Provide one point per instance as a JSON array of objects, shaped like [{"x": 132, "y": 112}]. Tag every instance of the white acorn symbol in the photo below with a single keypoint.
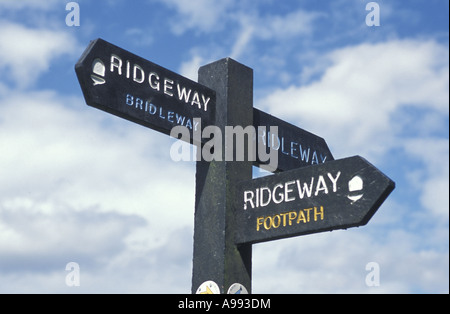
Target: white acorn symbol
[
  {"x": 354, "y": 185},
  {"x": 98, "y": 68}
]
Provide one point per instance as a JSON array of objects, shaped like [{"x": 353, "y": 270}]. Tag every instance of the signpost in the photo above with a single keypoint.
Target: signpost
[
  {"x": 335, "y": 195},
  {"x": 315, "y": 193}
]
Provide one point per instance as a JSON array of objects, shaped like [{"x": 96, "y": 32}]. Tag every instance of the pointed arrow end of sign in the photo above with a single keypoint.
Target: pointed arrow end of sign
[{"x": 376, "y": 188}]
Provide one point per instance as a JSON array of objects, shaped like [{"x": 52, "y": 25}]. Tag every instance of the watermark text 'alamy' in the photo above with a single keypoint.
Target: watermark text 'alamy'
[{"x": 236, "y": 147}]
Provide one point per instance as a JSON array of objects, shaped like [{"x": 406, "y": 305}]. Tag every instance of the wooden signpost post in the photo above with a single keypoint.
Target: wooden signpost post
[{"x": 315, "y": 193}]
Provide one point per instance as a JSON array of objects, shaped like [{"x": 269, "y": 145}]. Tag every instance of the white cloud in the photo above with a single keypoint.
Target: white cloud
[
  {"x": 163, "y": 269},
  {"x": 336, "y": 263},
  {"x": 139, "y": 36},
  {"x": 200, "y": 15},
  {"x": 294, "y": 24},
  {"x": 80, "y": 185},
  {"x": 357, "y": 96},
  {"x": 34, "y": 240},
  {"x": 244, "y": 38},
  {"x": 190, "y": 68},
  {"x": 26, "y": 53},
  {"x": 71, "y": 155},
  {"x": 433, "y": 178},
  {"x": 206, "y": 16}
]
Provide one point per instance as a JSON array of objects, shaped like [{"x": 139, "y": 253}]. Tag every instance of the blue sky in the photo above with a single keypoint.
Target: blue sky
[{"x": 80, "y": 185}]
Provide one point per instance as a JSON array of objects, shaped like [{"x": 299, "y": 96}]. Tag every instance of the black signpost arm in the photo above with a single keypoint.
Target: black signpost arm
[{"x": 216, "y": 256}]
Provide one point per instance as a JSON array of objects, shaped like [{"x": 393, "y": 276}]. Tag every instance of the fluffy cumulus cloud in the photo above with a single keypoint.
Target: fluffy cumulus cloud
[
  {"x": 73, "y": 190},
  {"x": 75, "y": 187},
  {"x": 25, "y": 53},
  {"x": 433, "y": 179},
  {"x": 357, "y": 98},
  {"x": 342, "y": 262}
]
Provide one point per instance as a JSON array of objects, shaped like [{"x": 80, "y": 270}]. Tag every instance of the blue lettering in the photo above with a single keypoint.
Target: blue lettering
[
  {"x": 180, "y": 119},
  {"x": 160, "y": 113},
  {"x": 304, "y": 154},
  {"x": 282, "y": 147},
  {"x": 314, "y": 158},
  {"x": 170, "y": 116},
  {"x": 293, "y": 149},
  {"x": 129, "y": 100},
  {"x": 152, "y": 109},
  {"x": 139, "y": 103},
  {"x": 196, "y": 122}
]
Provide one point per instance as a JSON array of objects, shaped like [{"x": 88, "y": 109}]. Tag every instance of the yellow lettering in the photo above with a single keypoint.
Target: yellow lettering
[
  {"x": 292, "y": 216},
  {"x": 259, "y": 222},
  {"x": 276, "y": 225},
  {"x": 280, "y": 220},
  {"x": 316, "y": 213},
  {"x": 301, "y": 217},
  {"x": 270, "y": 223},
  {"x": 307, "y": 214},
  {"x": 284, "y": 218}
]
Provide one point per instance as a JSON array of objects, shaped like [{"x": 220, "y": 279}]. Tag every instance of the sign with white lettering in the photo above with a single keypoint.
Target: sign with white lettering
[
  {"x": 335, "y": 195},
  {"x": 128, "y": 86},
  {"x": 296, "y": 147}
]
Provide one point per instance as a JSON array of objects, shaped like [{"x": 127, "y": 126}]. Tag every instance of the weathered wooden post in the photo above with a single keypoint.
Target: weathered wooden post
[{"x": 216, "y": 256}]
